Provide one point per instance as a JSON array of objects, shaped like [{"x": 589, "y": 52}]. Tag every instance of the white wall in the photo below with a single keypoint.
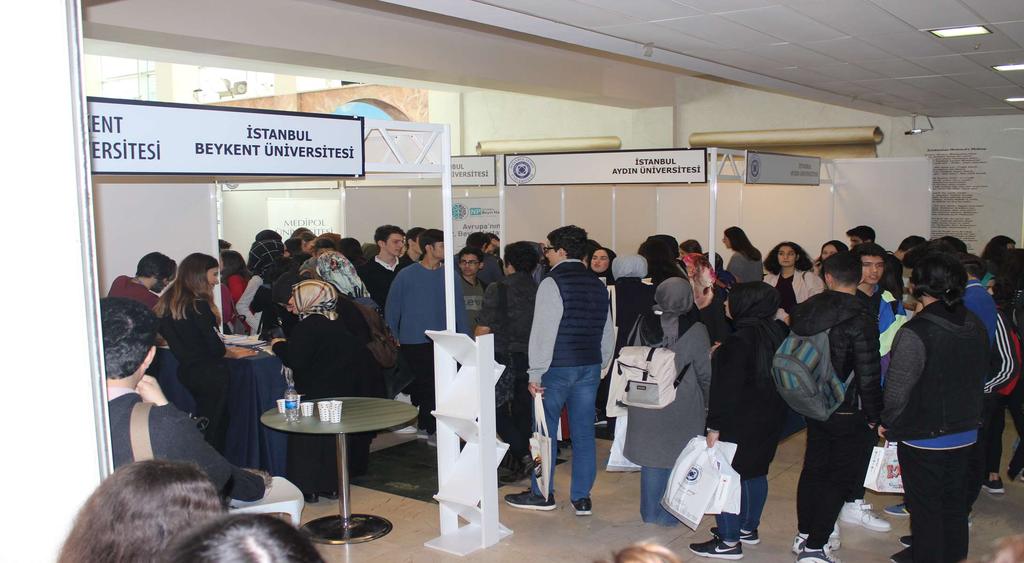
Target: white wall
[
  {"x": 51, "y": 462},
  {"x": 133, "y": 220}
]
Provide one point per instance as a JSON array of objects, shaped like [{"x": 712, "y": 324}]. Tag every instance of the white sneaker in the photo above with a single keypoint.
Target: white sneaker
[
  {"x": 823, "y": 555},
  {"x": 859, "y": 513},
  {"x": 834, "y": 543},
  {"x": 798, "y": 543},
  {"x": 407, "y": 430}
]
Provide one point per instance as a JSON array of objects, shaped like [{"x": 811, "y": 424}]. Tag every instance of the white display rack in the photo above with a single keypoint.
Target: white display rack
[{"x": 468, "y": 450}]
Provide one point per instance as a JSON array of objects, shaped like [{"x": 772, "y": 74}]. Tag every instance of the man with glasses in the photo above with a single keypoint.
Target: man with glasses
[
  {"x": 470, "y": 260},
  {"x": 570, "y": 340}
]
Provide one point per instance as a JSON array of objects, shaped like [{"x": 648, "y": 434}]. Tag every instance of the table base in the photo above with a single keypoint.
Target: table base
[{"x": 361, "y": 528}]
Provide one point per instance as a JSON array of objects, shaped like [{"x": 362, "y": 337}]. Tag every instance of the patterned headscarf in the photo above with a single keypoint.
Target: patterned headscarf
[
  {"x": 314, "y": 297},
  {"x": 334, "y": 268},
  {"x": 702, "y": 278}
]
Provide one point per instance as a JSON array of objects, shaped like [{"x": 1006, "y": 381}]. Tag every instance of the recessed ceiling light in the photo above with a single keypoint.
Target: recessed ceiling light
[
  {"x": 1007, "y": 68},
  {"x": 1015, "y": 100},
  {"x": 965, "y": 31}
]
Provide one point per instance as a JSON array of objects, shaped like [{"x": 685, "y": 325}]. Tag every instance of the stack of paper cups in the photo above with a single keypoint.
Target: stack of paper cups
[
  {"x": 307, "y": 408},
  {"x": 335, "y": 412},
  {"x": 280, "y": 406}
]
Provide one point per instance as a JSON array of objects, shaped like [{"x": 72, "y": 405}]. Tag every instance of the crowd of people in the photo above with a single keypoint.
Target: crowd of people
[{"x": 927, "y": 338}]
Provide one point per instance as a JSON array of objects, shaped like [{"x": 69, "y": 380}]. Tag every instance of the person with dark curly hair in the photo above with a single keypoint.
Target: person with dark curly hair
[{"x": 790, "y": 272}]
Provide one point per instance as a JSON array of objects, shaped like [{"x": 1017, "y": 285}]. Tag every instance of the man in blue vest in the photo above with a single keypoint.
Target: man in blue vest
[{"x": 570, "y": 340}]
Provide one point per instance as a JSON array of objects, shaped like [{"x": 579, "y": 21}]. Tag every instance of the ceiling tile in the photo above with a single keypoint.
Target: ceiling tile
[
  {"x": 907, "y": 45},
  {"x": 1008, "y": 91},
  {"x": 801, "y": 76},
  {"x": 788, "y": 54},
  {"x": 720, "y": 31},
  {"x": 997, "y": 57},
  {"x": 661, "y": 36},
  {"x": 948, "y": 64},
  {"x": 646, "y": 10},
  {"x": 929, "y": 14},
  {"x": 845, "y": 71},
  {"x": 845, "y": 88},
  {"x": 983, "y": 78},
  {"x": 855, "y": 17},
  {"x": 848, "y": 49},
  {"x": 720, "y": 6},
  {"x": 998, "y": 10},
  {"x": 1013, "y": 30},
  {"x": 564, "y": 11},
  {"x": 784, "y": 23},
  {"x": 740, "y": 59},
  {"x": 895, "y": 68}
]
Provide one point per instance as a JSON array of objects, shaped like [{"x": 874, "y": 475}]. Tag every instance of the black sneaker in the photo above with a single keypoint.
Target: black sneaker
[
  {"x": 906, "y": 541},
  {"x": 905, "y": 556},
  {"x": 529, "y": 501},
  {"x": 715, "y": 548},
  {"x": 583, "y": 507},
  {"x": 749, "y": 538},
  {"x": 993, "y": 486}
]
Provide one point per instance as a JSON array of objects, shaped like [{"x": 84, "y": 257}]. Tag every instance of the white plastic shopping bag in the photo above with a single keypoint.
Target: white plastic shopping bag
[
  {"x": 617, "y": 461},
  {"x": 692, "y": 483},
  {"x": 729, "y": 492},
  {"x": 883, "y": 473},
  {"x": 540, "y": 446}
]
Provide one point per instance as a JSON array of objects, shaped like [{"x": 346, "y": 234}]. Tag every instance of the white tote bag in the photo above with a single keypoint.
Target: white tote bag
[
  {"x": 692, "y": 484},
  {"x": 540, "y": 447},
  {"x": 883, "y": 473},
  {"x": 617, "y": 461}
]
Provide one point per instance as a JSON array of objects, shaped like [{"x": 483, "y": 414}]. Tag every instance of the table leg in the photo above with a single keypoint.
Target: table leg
[{"x": 346, "y": 527}]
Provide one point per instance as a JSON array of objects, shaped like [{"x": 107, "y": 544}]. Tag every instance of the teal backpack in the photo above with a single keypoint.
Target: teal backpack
[{"x": 804, "y": 376}]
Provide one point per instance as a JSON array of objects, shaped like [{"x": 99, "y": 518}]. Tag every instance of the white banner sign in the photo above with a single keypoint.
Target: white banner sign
[
  {"x": 660, "y": 166},
  {"x": 473, "y": 170},
  {"x": 473, "y": 214},
  {"x": 769, "y": 168},
  {"x": 132, "y": 137},
  {"x": 318, "y": 215}
]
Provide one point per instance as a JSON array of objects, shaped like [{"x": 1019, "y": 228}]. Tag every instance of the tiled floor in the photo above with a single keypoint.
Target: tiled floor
[{"x": 561, "y": 536}]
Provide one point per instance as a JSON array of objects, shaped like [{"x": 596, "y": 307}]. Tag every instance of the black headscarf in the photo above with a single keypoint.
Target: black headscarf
[
  {"x": 607, "y": 276},
  {"x": 264, "y": 252},
  {"x": 754, "y": 304}
]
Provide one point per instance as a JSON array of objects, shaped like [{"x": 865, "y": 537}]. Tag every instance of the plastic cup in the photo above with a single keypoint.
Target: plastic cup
[
  {"x": 280, "y": 406},
  {"x": 335, "y": 412},
  {"x": 307, "y": 408}
]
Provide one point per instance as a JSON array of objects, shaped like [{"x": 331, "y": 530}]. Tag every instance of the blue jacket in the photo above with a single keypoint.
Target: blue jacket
[{"x": 416, "y": 304}]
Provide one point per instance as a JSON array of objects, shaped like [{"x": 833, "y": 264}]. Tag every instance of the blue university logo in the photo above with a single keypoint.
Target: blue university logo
[
  {"x": 693, "y": 475},
  {"x": 521, "y": 169},
  {"x": 458, "y": 211}
]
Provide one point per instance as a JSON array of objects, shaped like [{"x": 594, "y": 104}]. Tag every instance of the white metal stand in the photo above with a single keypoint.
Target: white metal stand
[{"x": 466, "y": 474}]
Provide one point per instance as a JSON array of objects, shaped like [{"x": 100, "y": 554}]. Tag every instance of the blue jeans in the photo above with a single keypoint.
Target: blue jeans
[
  {"x": 575, "y": 387},
  {"x": 653, "y": 482},
  {"x": 754, "y": 493}
]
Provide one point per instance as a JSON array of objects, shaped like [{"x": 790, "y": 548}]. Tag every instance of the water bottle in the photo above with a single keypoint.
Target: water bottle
[{"x": 291, "y": 405}]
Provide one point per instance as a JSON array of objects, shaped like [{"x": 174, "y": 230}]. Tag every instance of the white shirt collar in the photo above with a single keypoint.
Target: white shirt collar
[{"x": 385, "y": 264}]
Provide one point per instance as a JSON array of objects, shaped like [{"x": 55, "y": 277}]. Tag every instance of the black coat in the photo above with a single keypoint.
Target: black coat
[
  {"x": 746, "y": 412},
  {"x": 321, "y": 354},
  {"x": 378, "y": 280},
  {"x": 632, "y": 298},
  {"x": 853, "y": 343}
]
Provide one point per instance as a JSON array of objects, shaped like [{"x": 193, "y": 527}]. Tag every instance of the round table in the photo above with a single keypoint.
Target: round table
[{"x": 358, "y": 414}]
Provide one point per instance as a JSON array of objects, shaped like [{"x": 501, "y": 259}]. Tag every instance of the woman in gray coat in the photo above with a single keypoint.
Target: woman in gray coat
[{"x": 656, "y": 437}]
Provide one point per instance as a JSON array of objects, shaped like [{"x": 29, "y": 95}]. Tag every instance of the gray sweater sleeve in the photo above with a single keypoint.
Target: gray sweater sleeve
[
  {"x": 547, "y": 315},
  {"x": 607, "y": 342},
  {"x": 905, "y": 367}
]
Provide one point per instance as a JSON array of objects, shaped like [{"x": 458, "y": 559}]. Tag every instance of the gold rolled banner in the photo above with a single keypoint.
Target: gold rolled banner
[
  {"x": 565, "y": 144},
  {"x": 827, "y": 142}
]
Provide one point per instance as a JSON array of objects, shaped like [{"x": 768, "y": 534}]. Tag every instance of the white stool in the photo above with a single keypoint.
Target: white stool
[{"x": 283, "y": 497}]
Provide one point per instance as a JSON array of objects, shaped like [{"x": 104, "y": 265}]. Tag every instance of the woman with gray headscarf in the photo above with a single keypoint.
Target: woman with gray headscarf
[{"x": 656, "y": 437}]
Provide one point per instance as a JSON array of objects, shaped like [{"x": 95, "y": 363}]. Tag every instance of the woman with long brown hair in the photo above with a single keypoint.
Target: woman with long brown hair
[
  {"x": 188, "y": 321},
  {"x": 133, "y": 515}
]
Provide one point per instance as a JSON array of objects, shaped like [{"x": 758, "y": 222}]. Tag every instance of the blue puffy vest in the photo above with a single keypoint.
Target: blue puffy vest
[{"x": 584, "y": 312}]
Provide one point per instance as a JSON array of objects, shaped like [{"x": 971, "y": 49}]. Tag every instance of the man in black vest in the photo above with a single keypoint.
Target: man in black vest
[{"x": 570, "y": 340}]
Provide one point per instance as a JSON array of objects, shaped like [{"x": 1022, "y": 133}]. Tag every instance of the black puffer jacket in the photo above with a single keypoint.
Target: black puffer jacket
[{"x": 853, "y": 344}]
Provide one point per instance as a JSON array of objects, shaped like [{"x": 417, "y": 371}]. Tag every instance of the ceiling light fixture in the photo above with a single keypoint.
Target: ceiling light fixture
[
  {"x": 1015, "y": 100},
  {"x": 1008, "y": 68},
  {"x": 965, "y": 31},
  {"x": 915, "y": 130}
]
